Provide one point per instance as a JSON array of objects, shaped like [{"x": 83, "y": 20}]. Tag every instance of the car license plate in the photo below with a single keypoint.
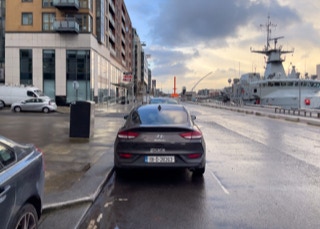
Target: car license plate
[{"x": 159, "y": 159}]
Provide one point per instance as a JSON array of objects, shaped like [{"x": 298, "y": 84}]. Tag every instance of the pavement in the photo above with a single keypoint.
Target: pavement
[{"x": 76, "y": 169}]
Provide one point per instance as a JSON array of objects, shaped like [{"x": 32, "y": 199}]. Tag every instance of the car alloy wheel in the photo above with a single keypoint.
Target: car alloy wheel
[
  {"x": 17, "y": 109},
  {"x": 27, "y": 218},
  {"x": 45, "y": 110}
]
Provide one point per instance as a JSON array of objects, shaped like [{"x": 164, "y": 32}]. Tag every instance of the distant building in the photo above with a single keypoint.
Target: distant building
[
  {"x": 318, "y": 71},
  {"x": 140, "y": 68},
  {"x": 57, "y": 45}
]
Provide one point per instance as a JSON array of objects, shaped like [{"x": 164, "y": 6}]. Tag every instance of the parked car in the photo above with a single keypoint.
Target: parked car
[
  {"x": 158, "y": 100},
  {"x": 21, "y": 184},
  {"x": 160, "y": 135},
  {"x": 10, "y": 94},
  {"x": 35, "y": 104}
]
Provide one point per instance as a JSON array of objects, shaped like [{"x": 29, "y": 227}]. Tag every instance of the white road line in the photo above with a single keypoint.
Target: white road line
[{"x": 220, "y": 184}]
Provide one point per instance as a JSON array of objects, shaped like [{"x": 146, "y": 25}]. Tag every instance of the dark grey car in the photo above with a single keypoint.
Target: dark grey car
[
  {"x": 21, "y": 184},
  {"x": 162, "y": 136}
]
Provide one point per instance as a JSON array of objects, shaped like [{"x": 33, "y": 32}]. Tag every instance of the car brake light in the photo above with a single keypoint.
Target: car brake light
[
  {"x": 192, "y": 135},
  {"x": 125, "y": 155},
  {"x": 307, "y": 102},
  {"x": 194, "y": 155},
  {"x": 127, "y": 134}
]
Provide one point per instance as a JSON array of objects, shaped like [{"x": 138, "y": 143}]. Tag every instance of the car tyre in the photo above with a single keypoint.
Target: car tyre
[
  {"x": 199, "y": 171},
  {"x": 120, "y": 171},
  {"x": 1, "y": 104},
  {"x": 17, "y": 109},
  {"x": 45, "y": 110},
  {"x": 27, "y": 218}
]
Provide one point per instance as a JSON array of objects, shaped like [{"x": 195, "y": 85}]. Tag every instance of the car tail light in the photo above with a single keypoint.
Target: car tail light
[
  {"x": 125, "y": 155},
  {"x": 192, "y": 135},
  {"x": 194, "y": 155},
  {"x": 307, "y": 102},
  {"x": 127, "y": 134}
]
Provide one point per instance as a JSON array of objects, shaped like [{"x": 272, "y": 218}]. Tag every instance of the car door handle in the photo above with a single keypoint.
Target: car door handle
[{"x": 3, "y": 192}]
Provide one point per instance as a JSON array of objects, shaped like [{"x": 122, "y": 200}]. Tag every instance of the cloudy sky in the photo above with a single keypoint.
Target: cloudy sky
[{"x": 191, "y": 39}]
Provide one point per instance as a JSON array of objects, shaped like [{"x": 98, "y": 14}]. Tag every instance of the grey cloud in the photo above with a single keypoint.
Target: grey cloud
[
  {"x": 169, "y": 62},
  {"x": 188, "y": 22}
]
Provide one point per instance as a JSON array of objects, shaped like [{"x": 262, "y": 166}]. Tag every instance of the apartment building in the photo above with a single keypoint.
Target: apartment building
[{"x": 71, "y": 49}]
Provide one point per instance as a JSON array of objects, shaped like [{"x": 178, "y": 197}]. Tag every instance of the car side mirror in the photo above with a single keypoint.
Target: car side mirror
[
  {"x": 193, "y": 117},
  {"x": 125, "y": 117}
]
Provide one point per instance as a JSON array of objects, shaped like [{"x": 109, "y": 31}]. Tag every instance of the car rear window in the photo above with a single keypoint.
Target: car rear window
[{"x": 162, "y": 117}]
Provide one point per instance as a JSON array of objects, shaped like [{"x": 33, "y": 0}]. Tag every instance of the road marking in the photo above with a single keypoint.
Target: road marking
[
  {"x": 220, "y": 184},
  {"x": 99, "y": 217},
  {"x": 107, "y": 204}
]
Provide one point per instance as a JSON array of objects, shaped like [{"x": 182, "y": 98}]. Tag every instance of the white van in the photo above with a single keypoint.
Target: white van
[{"x": 11, "y": 94}]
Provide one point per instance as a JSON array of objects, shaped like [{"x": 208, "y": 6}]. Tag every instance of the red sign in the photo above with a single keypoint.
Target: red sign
[{"x": 127, "y": 77}]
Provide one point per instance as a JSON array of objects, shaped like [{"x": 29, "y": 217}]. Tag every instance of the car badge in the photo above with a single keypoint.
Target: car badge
[{"x": 159, "y": 138}]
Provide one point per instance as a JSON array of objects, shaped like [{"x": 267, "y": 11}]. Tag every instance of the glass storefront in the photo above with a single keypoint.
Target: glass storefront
[
  {"x": 78, "y": 75},
  {"x": 49, "y": 64},
  {"x": 26, "y": 66}
]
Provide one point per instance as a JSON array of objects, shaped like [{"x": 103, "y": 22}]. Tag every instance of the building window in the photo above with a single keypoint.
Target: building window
[
  {"x": 27, "y": 0},
  {"x": 26, "y": 66},
  {"x": 85, "y": 22},
  {"x": 26, "y": 18},
  {"x": 84, "y": 4},
  {"x": 78, "y": 65},
  {"x": 47, "y": 3},
  {"x": 48, "y": 21},
  {"x": 49, "y": 64},
  {"x": 78, "y": 69},
  {"x": 49, "y": 73}
]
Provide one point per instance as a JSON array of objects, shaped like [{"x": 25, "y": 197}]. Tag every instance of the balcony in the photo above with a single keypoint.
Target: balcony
[
  {"x": 113, "y": 51},
  {"x": 112, "y": 6},
  {"x": 111, "y": 35},
  {"x": 67, "y": 25},
  {"x": 66, "y": 4},
  {"x": 111, "y": 20}
]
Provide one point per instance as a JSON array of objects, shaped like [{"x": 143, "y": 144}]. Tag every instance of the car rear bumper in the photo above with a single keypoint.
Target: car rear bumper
[{"x": 139, "y": 161}]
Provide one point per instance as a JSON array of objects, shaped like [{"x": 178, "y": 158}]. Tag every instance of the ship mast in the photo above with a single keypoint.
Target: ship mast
[
  {"x": 268, "y": 26},
  {"x": 274, "y": 67}
]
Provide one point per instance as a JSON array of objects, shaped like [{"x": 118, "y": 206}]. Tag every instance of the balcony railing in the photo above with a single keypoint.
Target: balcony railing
[
  {"x": 111, "y": 19},
  {"x": 111, "y": 5},
  {"x": 66, "y": 4},
  {"x": 68, "y": 25},
  {"x": 113, "y": 51},
  {"x": 111, "y": 35}
]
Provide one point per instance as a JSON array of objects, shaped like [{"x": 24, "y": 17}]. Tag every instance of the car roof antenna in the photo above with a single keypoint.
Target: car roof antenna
[{"x": 159, "y": 108}]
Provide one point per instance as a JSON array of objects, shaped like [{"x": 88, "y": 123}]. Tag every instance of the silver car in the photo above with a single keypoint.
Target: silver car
[
  {"x": 21, "y": 184},
  {"x": 35, "y": 104}
]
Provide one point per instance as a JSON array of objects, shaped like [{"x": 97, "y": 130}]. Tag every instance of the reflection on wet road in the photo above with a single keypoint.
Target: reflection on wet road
[{"x": 261, "y": 173}]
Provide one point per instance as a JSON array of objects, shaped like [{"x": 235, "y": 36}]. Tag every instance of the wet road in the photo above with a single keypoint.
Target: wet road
[{"x": 261, "y": 173}]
